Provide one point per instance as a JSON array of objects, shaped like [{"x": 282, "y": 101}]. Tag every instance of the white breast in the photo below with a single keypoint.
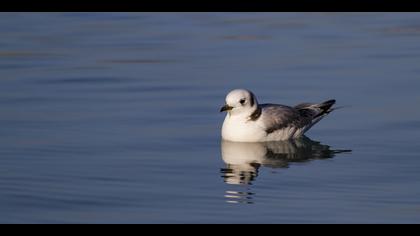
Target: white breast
[{"x": 241, "y": 129}]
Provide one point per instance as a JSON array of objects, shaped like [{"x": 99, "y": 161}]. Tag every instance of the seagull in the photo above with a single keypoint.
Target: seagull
[{"x": 248, "y": 121}]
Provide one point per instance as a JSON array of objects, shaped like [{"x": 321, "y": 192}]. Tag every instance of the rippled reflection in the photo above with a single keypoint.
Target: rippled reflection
[
  {"x": 239, "y": 197},
  {"x": 243, "y": 161}
]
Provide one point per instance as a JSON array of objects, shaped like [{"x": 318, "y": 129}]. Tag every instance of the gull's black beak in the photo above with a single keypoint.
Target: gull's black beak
[{"x": 226, "y": 108}]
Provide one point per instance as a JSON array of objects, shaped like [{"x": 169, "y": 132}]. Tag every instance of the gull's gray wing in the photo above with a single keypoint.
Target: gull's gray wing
[{"x": 275, "y": 117}]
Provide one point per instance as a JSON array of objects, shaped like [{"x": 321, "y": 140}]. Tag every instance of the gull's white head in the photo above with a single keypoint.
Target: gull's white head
[{"x": 240, "y": 101}]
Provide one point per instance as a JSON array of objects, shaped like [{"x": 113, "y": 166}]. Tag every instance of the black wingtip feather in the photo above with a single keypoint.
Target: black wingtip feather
[
  {"x": 326, "y": 107},
  {"x": 327, "y": 104}
]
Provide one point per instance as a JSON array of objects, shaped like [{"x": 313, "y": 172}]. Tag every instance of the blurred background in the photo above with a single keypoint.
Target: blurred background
[{"x": 114, "y": 117}]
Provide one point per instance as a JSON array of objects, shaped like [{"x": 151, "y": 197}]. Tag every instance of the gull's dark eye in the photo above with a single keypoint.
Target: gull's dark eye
[{"x": 242, "y": 101}]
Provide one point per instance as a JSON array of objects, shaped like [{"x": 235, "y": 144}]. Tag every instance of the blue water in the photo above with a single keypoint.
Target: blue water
[{"x": 114, "y": 117}]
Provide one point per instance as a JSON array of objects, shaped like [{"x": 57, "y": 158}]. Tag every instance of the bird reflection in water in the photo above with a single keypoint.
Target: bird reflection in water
[{"x": 243, "y": 161}]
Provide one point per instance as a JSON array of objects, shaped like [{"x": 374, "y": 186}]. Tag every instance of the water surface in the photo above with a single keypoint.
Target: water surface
[{"x": 113, "y": 117}]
